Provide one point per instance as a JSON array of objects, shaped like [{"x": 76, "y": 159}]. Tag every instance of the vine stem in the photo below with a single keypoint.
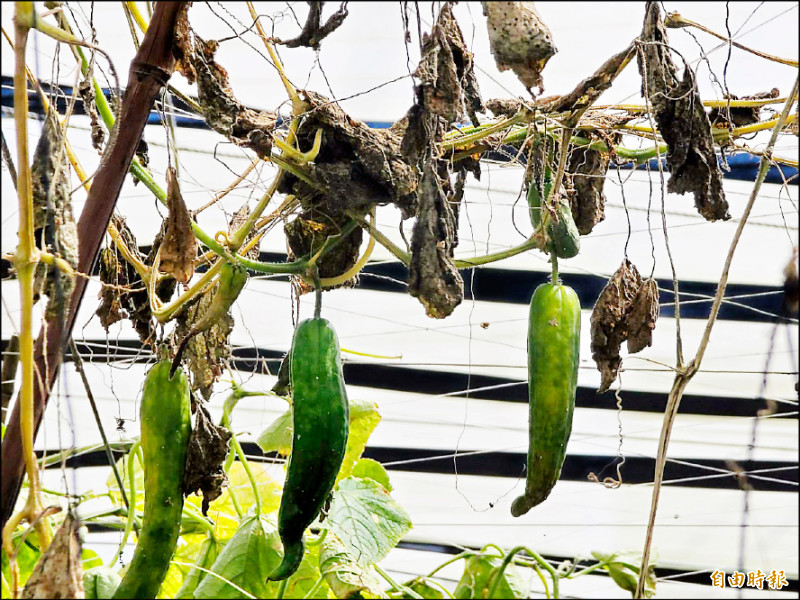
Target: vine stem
[
  {"x": 683, "y": 376},
  {"x": 25, "y": 261},
  {"x": 398, "y": 586}
]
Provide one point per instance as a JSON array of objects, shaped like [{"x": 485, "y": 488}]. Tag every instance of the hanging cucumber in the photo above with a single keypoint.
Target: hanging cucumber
[
  {"x": 564, "y": 236},
  {"x": 166, "y": 424},
  {"x": 320, "y": 414},
  {"x": 553, "y": 343},
  {"x": 232, "y": 278}
]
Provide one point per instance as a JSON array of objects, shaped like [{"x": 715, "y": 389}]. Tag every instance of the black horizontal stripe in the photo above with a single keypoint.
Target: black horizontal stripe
[
  {"x": 422, "y": 381},
  {"x": 577, "y": 467}
]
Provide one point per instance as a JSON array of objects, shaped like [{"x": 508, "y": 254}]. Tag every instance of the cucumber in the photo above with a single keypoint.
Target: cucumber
[
  {"x": 566, "y": 240},
  {"x": 166, "y": 424},
  {"x": 564, "y": 235},
  {"x": 553, "y": 346},
  {"x": 320, "y": 414}
]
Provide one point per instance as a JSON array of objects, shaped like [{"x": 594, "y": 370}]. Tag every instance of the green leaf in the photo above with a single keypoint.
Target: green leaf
[
  {"x": 278, "y": 436},
  {"x": 421, "y": 586},
  {"x": 345, "y": 577},
  {"x": 90, "y": 559},
  {"x": 100, "y": 582},
  {"x": 372, "y": 469},
  {"x": 366, "y": 519},
  {"x": 245, "y": 561},
  {"x": 364, "y": 417},
  {"x": 624, "y": 569},
  {"x": 193, "y": 550},
  {"x": 248, "y": 558},
  {"x": 479, "y": 574},
  {"x": 27, "y": 557}
]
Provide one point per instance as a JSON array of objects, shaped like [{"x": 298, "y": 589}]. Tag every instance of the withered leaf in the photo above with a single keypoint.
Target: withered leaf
[
  {"x": 432, "y": 274},
  {"x": 179, "y": 246},
  {"x": 588, "y": 169},
  {"x": 360, "y": 167},
  {"x": 306, "y": 234},
  {"x": 55, "y": 230},
  {"x": 610, "y": 321},
  {"x": 206, "y": 351},
  {"x": 681, "y": 120},
  {"x": 59, "y": 571},
  {"x": 182, "y": 44},
  {"x": 223, "y": 112},
  {"x": 313, "y": 31},
  {"x": 208, "y": 448},
  {"x": 519, "y": 40},
  {"x": 445, "y": 72},
  {"x": 739, "y": 116},
  {"x": 643, "y": 316}
]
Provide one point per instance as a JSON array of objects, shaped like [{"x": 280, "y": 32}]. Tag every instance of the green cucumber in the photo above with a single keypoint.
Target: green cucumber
[
  {"x": 320, "y": 415},
  {"x": 565, "y": 239},
  {"x": 165, "y": 414},
  {"x": 232, "y": 277},
  {"x": 553, "y": 346}
]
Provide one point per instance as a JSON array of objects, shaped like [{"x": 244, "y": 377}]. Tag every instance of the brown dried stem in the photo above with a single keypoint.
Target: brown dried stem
[{"x": 683, "y": 376}]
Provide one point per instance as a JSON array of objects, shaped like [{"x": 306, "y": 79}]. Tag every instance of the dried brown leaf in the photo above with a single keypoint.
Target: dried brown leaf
[
  {"x": 313, "y": 32},
  {"x": 445, "y": 72},
  {"x": 681, "y": 120},
  {"x": 432, "y": 274},
  {"x": 519, "y": 40},
  {"x": 643, "y": 316},
  {"x": 609, "y": 321},
  {"x": 222, "y": 111},
  {"x": 359, "y": 166},
  {"x": 588, "y": 169},
  {"x": 207, "y": 351},
  {"x": 208, "y": 448},
  {"x": 55, "y": 230},
  {"x": 179, "y": 246},
  {"x": 182, "y": 44},
  {"x": 59, "y": 571}
]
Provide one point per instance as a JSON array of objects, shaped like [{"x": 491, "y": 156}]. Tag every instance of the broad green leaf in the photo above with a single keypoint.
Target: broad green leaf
[
  {"x": 479, "y": 574},
  {"x": 624, "y": 569},
  {"x": 192, "y": 576},
  {"x": 364, "y": 417},
  {"x": 366, "y": 519},
  {"x": 278, "y": 436},
  {"x": 90, "y": 559},
  {"x": 343, "y": 574},
  {"x": 222, "y": 511},
  {"x": 372, "y": 469},
  {"x": 100, "y": 582},
  {"x": 246, "y": 560},
  {"x": 188, "y": 553},
  {"x": 27, "y": 557},
  {"x": 421, "y": 586}
]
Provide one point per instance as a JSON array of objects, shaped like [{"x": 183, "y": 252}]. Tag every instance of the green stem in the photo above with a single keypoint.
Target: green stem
[
  {"x": 315, "y": 587},
  {"x": 497, "y": 575},
  {"x": 456, "y": 558},
  {"x": 134, "y": 451},
  {"x": 587, "y": 570},
  {"x": 396, "y": 585},
  {"x": 234, "y": 500},
  {"x": 226, "y": 422},
  {"x": 554, "y": 262},
  {"x": 282, "y": 588}
]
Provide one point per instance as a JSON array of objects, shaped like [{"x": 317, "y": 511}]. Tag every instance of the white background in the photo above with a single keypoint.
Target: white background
[{"x": 697, "y": 528}]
